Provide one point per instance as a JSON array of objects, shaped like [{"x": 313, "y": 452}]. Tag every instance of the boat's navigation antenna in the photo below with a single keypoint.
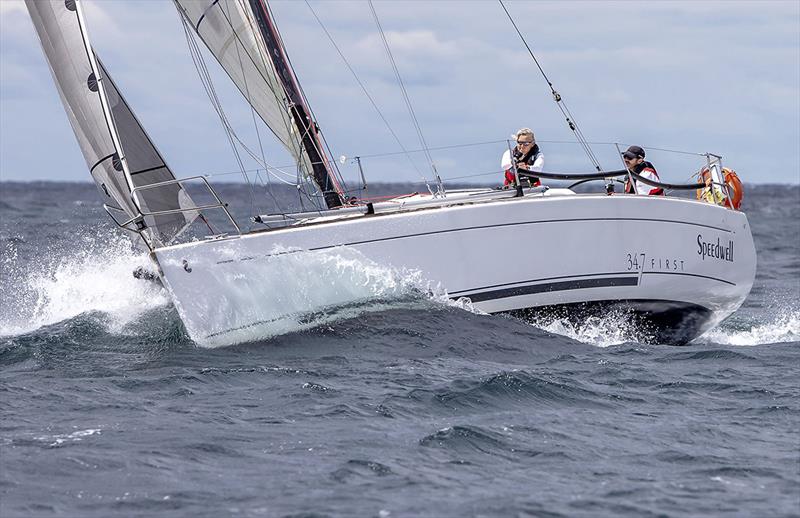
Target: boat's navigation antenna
[{"x": 573, "y": 125}]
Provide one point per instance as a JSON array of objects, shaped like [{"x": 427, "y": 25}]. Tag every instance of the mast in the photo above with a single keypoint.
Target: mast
[{"x": 301, "y": 115}]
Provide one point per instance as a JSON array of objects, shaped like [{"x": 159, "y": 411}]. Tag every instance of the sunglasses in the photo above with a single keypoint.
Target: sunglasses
[
  {"x": 628, "y": 158},
  {"x": 524, "y": 142}
]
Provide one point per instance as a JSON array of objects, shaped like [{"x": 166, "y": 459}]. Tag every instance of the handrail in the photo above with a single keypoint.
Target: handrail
[
  {"x": 219, "y": 205},
  {"x": 581, "y": 182},
  {"x": 571, "y": 176},
  {"x": 124, "y": 226},
  {"x": 179, "y": 211},
  {"x": 168, "y": 182},
  {"x": 610, "y": 174}
]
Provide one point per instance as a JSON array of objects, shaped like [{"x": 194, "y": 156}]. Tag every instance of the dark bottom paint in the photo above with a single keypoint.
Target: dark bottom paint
[{"x": 658, "y": 321}]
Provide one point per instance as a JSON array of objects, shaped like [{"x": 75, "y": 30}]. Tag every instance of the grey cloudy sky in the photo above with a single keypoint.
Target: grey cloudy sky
[{"x": 722, "y": 77}]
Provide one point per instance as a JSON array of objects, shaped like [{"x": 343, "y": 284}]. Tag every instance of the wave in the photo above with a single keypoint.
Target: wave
[
  {"x": 469, "y": 440},
  {"x": 614, "y": 328},
  {"x": 784, "y": 327},
  {"x": 515, "y": 388},
  {"x": 296, "y": 290},
  {"x": 357, "y": 469},
  {"x": 93, "y": 275},
  {"x": 617, "y": 328}
]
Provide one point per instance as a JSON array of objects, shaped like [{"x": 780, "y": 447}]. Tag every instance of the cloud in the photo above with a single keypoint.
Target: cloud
[
  {"x": 9, "y": 7},
  {"x": 722, "y": 76},
  {"x": 413, "y": 44}
]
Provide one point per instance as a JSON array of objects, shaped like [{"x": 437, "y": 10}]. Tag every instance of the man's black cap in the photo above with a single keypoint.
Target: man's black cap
[{"x": 634, "y": 152}]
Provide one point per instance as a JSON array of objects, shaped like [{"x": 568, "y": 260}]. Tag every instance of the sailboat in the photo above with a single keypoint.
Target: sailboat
[{"x": 676, "y": 266}]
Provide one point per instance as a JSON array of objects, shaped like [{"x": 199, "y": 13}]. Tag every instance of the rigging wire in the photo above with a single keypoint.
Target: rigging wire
[
  {"x": 205, "y": 80},
  {"x": 301, "y": 181},
  {"x": 407, "y": 100},
  {"x": 233, "y": 137},
  {"x": 277, "y": 93},
  {"x": 268, "y": 186},
  {"x": 253, "y": 114},
  {"x": 239, "y": 40},
  {"x": 337, "y": 179},
  {"x": 366, "y": 92},
  {"x": 573, "y": 125}
]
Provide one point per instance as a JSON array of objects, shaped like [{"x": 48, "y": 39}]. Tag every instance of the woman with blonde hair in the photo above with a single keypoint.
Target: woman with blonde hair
[{"x": 526, "y": 155}]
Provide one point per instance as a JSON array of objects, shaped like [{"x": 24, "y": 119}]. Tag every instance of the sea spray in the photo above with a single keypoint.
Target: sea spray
[
  {"x": 93, "y": 273},
  {"x": 610, "y": 329},
  {"x": 288, "y": 290},
  {"x": 784, "y": 327}
]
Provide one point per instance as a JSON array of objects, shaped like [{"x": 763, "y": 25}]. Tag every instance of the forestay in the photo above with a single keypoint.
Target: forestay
[{"x": 105, "y": 125}]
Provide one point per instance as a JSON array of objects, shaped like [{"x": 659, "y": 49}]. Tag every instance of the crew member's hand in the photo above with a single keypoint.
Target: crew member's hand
[{"x": 522, "y": 166}]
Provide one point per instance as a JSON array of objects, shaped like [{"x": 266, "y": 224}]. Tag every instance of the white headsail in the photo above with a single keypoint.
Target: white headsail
[
  {"x": 105, "y": 125},
  {"x": 241, "y": 36},
  {"x": 147, "y": 167}
]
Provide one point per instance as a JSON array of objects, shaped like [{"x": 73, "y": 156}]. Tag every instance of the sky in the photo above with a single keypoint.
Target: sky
[{"x": 719, "y": 77}]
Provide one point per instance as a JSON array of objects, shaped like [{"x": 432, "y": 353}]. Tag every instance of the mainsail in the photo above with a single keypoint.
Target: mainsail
[
  {"x": 105, "y": 125},
  {"x": 242, "y": 37}
]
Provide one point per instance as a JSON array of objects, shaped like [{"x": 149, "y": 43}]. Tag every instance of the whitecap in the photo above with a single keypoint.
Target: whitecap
[
  {"x": 785, "y": 327},
  {"x": 95, "y": 274}
]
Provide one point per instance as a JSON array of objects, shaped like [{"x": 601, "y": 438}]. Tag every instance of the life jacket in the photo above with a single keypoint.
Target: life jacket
[
  {"x": 641, "y": 169},
  {"x": 528, "y": 158}
]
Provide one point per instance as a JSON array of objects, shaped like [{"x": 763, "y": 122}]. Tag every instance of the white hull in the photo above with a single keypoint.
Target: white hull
[{"x": 505, "y": 255}]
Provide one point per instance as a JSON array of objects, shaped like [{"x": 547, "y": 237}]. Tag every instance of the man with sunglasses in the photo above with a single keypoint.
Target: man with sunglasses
[
  {"x": 635, "y": 162},
  {"x": 526, "y": 155}
]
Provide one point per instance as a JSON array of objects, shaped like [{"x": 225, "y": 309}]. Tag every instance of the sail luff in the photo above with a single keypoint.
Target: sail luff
[
  {"x": 112, "y": 127},
  {"x": 299, "y": 109},
  {"x": 242, "y": 37},
  {"x": 119, "y": 154},
  {"x": 63, "y": 44}
]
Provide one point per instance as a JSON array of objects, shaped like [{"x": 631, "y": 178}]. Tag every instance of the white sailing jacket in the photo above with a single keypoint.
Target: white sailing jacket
[{"x": 536, "y": 167}]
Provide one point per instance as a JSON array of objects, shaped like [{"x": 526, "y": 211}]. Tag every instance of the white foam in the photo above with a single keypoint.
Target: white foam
[
  {"x": 601, "y": 332},
  {"x": 59, "y": 439},
  {"x": 305, "y": 289},
  {"x": 784, "y": 328},
  {"x": 294, "y": 290},
  {"x": 93, "y": 275}
]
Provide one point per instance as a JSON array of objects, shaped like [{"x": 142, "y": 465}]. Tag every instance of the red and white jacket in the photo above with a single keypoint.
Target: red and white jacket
[
  {"x": 647, "y": 170},
  {"x": 534, "y": 158}
]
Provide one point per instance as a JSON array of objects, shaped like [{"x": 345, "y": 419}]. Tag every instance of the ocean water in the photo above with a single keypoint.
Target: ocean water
[{"x": 400, "y": 404}]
